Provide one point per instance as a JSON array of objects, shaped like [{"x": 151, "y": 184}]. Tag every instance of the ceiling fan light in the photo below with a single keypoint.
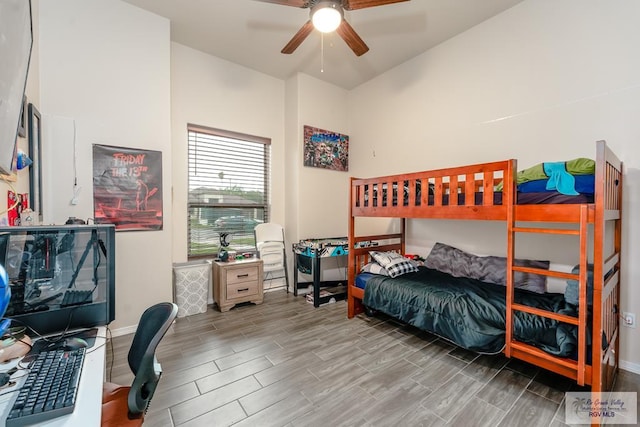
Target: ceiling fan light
[{"x": 326, "y": 18}]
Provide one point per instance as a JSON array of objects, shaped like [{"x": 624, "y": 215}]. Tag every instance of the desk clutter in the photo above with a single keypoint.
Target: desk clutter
[
  {"x": 327, "y": 296},
  {"x": 13, "y": 348},
  {"x": 40, "y": 377}
]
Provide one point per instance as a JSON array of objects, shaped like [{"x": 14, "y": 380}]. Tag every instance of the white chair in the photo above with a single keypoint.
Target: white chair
[{"x": 270, "y": 244}]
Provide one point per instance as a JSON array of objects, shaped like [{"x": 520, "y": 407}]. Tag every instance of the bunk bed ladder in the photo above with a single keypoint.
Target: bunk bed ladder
[{"x": 568, "y": 367}]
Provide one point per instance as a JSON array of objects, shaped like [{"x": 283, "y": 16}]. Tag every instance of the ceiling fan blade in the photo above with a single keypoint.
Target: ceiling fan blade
[
  {"x": 298, "y": 38},
  {"x": 294, "y": 3},
  {"x": 361, "y": 4},
  {"x": 349, "y": 35}
]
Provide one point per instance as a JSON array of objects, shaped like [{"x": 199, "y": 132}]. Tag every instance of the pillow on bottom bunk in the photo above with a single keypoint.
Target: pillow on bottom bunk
[
  {"x": 374, "y": 268},
  {"x": 491, "y": 269},
  {"x": 572, "y": 292},
  {"x": 395, "y": 264}
]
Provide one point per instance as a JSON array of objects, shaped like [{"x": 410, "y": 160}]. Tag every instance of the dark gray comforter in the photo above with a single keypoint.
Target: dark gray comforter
[{"x": 470, "y": 313}]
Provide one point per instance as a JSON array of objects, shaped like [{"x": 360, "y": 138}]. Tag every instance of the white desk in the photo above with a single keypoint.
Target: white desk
[{"x": 89, "y": 401}]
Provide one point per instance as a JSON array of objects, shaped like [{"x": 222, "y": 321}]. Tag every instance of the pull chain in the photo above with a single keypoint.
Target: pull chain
[{"x": 322, "y": 52}]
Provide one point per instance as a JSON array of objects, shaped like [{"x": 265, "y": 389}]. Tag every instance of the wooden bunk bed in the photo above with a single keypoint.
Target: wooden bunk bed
[{"x": 384, "y": 197}]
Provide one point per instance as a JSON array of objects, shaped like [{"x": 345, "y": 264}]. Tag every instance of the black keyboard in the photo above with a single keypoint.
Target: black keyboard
[
  {"x": 51, "y": 388},
  {"x": 76, "y": 297}
]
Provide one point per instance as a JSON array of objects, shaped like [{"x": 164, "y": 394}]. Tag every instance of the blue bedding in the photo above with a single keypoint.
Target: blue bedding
[{"x": 584, "y": 184}]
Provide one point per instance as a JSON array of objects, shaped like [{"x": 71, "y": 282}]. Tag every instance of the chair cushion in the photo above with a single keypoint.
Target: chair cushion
[
  {"x": 115, "y": 409},
  {"x": 111, "y": 391}
]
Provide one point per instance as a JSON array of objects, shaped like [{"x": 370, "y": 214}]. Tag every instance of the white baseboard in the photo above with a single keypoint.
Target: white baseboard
[{"x": 630, "y": 366}]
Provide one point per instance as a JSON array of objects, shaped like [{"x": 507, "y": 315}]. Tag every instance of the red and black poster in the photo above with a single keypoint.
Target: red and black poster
[
  {"x": 127, "y": 187},
  {"x": 16, "y": 204}
]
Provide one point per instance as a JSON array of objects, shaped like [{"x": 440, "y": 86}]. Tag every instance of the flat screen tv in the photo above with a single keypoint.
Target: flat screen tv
[{"x": 16, "y": 40}]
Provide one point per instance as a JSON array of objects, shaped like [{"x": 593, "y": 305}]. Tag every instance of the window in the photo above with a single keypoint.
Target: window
[{"x": 228, "y": 189}]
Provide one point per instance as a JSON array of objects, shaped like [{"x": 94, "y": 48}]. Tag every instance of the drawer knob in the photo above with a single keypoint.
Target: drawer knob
[
  {"x": 242, "y": 275},
  {"x": 243, "y": 290}
]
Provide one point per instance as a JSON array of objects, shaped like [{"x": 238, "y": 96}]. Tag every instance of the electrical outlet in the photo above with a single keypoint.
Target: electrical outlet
[{"x": 629, "y": 319}]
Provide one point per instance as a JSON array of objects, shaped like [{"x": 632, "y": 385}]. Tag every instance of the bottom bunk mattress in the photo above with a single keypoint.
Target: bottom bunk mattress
[{"x": 468, "y": 312}]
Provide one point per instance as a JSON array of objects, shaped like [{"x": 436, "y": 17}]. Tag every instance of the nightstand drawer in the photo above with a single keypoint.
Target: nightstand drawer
[
  {"x": 240, "y": 275},
  {"x": 239, "y": 290}
]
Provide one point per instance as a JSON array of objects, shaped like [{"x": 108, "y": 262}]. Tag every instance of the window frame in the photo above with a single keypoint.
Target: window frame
[{"x": 264, "y": 206}]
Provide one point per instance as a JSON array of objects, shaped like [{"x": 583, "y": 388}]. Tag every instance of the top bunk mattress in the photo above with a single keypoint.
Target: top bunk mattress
[{"x": 547, "y": 197}]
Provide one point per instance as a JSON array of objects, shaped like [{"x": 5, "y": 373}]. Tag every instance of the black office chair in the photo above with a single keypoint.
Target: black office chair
[{"x": 127, "y": 405}]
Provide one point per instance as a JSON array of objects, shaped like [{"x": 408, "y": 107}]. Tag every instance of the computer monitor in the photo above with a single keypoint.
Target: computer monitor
[{"x": 61, "y": 277}]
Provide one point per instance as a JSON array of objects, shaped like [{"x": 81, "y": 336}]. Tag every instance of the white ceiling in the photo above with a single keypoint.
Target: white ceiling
[{"x": 252, "y": 33}]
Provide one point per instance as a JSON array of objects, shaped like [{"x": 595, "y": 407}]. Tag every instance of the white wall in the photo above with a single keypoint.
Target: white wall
[
  {"x": 540, "y": 82},
  {"x": 104, "y": 65},
  {"x": 212, "y": 92},
  {"x": 322, "y": 194},
  {"x": 19, "y": 180},
  {"x": 316, "y": 198}
]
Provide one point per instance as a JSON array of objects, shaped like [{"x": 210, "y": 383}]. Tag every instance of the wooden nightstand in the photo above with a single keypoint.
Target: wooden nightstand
[{"x": 237, "y": 281}]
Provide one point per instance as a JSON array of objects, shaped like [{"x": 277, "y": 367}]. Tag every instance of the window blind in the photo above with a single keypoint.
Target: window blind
[{"x": 228, "y": 189}]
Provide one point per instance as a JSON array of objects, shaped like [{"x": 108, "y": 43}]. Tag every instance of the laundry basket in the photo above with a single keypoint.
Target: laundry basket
[{"x": 191, "y": 286}]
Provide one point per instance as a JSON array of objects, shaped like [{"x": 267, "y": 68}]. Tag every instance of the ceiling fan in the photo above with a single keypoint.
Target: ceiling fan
[{"x": 327, "y": 16}]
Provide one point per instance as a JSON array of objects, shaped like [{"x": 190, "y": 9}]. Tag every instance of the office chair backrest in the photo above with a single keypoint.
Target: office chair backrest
[{"x": 154, "y": 323}]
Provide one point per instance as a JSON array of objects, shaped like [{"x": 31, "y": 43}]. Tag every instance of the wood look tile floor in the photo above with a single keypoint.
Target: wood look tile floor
[{"x": 286, "y": 363}]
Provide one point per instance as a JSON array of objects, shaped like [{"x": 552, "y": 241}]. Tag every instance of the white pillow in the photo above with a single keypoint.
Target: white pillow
[
  {"x": 374, "y": 268},
  {"x": 395, "y": 264}
]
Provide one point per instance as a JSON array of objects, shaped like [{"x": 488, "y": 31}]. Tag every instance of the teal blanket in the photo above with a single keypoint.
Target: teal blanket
[
  {"x": 559, "y": 179},
  {"x": 471, "y": 313}
]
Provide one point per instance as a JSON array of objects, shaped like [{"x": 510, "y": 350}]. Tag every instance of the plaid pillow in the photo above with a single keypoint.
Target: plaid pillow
[
  {"x": 374, "y": 268},
  {"x": 395, "y": 264}
]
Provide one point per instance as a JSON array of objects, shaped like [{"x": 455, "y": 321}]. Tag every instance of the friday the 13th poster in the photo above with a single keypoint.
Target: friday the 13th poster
[{"x": 127, "y": 187}]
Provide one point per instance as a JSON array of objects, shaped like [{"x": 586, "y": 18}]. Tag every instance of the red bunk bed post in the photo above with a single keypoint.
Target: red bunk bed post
[
  {"x": 606, "y": 293},
  {"x": 509, "y": 202},
  {"x": 598, "y": 267},
  {"x": 618, "y": 250},
  {"x": 403, "y": 236},
  {"x": 351, "y": 256},
  {"x": 582, "y": 296}
]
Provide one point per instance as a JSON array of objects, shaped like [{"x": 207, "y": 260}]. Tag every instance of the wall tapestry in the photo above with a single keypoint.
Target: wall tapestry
[
  {"x": 325, "y": 149},
  {"x": 127, "y": 187}
]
